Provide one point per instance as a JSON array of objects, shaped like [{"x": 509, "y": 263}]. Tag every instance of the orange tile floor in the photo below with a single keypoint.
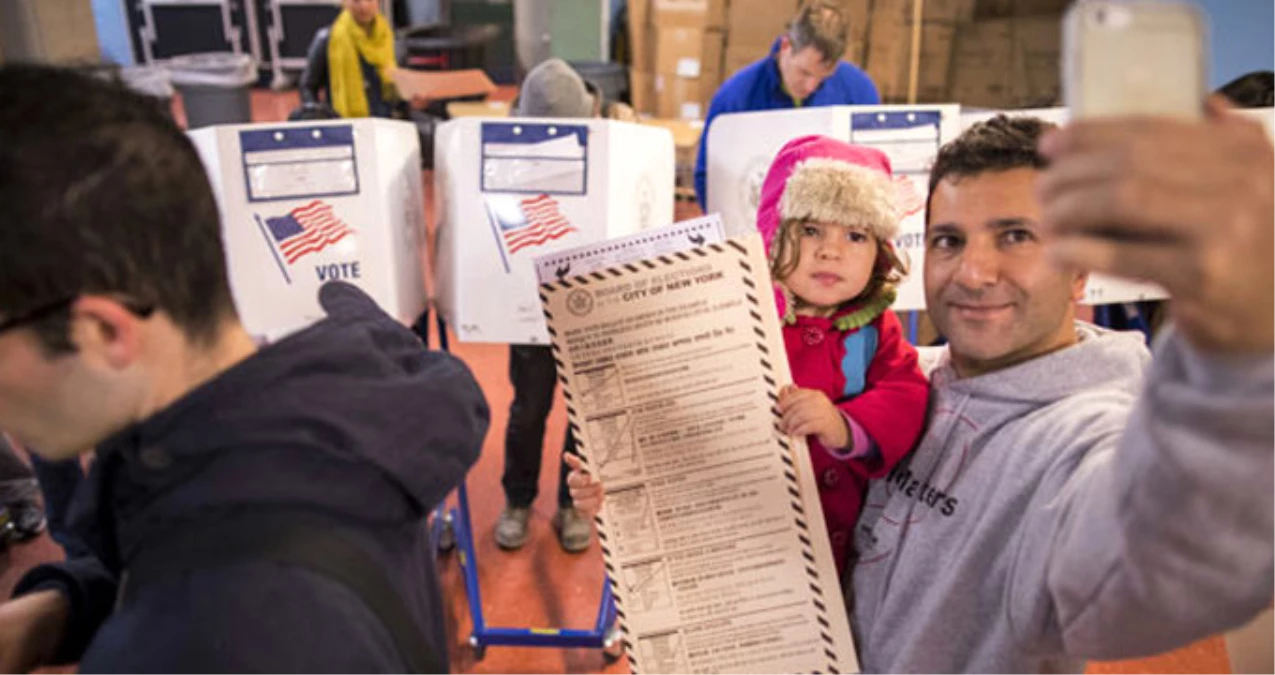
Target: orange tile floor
[{"x": 540, "y": 586}]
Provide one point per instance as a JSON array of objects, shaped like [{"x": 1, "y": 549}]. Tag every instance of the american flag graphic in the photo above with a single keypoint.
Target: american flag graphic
[
  {"x": 540, "y": 220},
  {"x": 907, "y": 199},
  {"x": 307, "y": 229}
]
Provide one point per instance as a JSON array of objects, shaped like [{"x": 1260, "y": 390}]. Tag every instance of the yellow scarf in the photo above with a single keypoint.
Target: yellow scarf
[{"x": 347, "y": 42}]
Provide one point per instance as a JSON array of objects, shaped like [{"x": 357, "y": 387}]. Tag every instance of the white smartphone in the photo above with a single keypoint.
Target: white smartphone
[{"x": 1134, "y": 57}]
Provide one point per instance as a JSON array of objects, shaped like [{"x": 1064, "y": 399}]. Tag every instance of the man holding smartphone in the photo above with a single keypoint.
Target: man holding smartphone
[{"x": 1104, "y": 506}]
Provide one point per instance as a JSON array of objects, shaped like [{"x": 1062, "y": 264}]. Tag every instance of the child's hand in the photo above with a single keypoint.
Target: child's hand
[
  {"x": 808, "y": 412},
  {"x": 586, "y": 491}
]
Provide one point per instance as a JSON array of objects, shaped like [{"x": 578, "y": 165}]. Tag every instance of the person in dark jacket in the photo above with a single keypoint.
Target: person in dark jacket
[
  {"x": 803, "y": 69},
  {"x": 249, "y": 509}
]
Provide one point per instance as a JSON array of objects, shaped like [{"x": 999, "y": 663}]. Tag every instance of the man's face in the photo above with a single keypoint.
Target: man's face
[
  {"x": 57, "y": 405},
  {"x": 803, "y": 71},
  {"x": 363, "y": 11},
  {"x": 988, "y": 285}
]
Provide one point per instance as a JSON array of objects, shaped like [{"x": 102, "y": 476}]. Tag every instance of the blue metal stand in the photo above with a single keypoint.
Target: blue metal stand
[{"x": 451, "y": 528}]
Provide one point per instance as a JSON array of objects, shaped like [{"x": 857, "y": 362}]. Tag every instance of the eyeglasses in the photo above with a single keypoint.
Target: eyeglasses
[
  {"x": 46, "y": 310},
  {"x": 35, "y": 314}
]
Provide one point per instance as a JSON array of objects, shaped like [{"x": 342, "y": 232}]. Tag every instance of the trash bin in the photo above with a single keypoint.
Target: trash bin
[
  {"x": 151, "y": 81},
  {"x": 214, "y": 87}
]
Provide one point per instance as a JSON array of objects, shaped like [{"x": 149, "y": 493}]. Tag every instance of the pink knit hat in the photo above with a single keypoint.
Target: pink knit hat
[
  {"x": 821, "y": 178},
  {"x": 824, "y": 179}
]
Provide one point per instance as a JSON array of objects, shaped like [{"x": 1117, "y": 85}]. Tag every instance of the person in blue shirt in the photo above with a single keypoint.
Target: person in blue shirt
[{"x": 803, "y": 68}]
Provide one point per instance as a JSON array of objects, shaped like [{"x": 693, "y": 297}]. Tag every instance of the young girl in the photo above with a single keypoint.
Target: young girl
[{"x": 827, "y": 215}]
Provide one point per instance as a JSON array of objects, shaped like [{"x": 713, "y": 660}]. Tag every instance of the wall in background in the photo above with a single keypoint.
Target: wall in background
[
  {"x": 1241, "y": 39},
  {"x": 112, "y": 32}
]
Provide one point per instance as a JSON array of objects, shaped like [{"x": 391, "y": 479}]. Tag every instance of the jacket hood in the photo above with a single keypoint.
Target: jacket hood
[
  {"x": 1102, "y": 359},
  {"x": 350, "y": 417}
]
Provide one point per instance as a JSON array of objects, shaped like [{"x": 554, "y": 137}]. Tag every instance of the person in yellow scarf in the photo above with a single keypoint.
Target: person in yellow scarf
[{"x": 361, "y": 61}]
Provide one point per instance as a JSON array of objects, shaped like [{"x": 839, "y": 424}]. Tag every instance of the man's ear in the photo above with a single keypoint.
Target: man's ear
[
  {"x": 785, "y": 44},
  {"x": 105, "y": 332},
  {"x": 1078, "y": 286}
]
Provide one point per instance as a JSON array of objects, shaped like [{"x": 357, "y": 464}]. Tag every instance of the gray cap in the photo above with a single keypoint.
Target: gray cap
[{"x": 554, "y": 89}]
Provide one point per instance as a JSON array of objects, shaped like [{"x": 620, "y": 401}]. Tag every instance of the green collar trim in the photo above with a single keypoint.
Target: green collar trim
[
  {"x": 856, "y": 318},
  {"x": 868, "y": 312}
]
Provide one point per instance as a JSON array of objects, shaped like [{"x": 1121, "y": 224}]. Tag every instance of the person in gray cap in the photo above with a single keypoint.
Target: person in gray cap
[{"x": 551, "y": 89}]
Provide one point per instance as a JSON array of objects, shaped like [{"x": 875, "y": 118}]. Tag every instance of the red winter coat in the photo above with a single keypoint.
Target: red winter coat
[{"x": 871, "y": 374}]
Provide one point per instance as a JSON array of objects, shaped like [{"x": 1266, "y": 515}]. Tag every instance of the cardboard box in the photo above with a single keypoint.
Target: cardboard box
[
  {"x": 678, "y": 50},
  {"x": 639, "y": 30},
  {"x": 1037, "y": 78},
  {"x": 478, "y": 109},
  {"x": 509, "y": 191},
  {"x": 678, "y": 97},
  {"x": 996, "y": 9},
  {"x": 758, "y": 22},
  {"x": 742, "y": 146},
  {"x": 712, "y": 62},
  {"x": 889, "y": 64},
  {"x": 738, "y": 56},
  {"x": 858, "y": 14},
  {"x": 442, "y": 84},
  {"x": 933, "y": 10},
  {"x": 716, "y": 14},
  {"x": 304, "y": 203},
  {"x": 679, "y": 14},
  {"x": 1007, "y": 63},
  {"x": 982, "y": 57},
  {"x": 642, "y": 91}
]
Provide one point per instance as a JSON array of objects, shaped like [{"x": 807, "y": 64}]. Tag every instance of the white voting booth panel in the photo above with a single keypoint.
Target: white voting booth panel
[
  {"x": 303, "y": 204},
  {"x": 509, "y": 191},
  {"x": 742, "y": 146}
]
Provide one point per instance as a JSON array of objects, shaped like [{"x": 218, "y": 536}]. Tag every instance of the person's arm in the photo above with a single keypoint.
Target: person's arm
[
  {"x": 891, "y": 408},
  {"x": 721, "y": 103},
  {"x": 1163, "y": 533},
  {"x": 1160, "y": 535},
  {"x": 314, "y": 78},
  {"x": 59, "y": 608}
]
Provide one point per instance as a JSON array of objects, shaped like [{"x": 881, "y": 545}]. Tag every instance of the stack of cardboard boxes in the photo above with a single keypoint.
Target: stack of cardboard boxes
[
  {"x": 1000, "y": 53},
  {"x": 684, "y": 49},
  {"x": 987, "y": 53},
  {"x": 1009, "y": 56}
]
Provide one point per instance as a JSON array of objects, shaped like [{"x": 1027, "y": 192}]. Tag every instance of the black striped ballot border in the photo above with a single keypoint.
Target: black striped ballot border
[{"x": 737, "y": 250}]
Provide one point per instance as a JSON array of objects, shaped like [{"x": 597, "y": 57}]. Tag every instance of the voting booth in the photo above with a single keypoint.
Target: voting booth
[
  {"x": 742, "y": 146},
  {"x": 304, "y": 204},
  {"x": 509, "y": 191}
]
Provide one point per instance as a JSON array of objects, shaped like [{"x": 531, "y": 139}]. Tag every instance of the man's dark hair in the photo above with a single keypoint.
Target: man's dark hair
[
  {"x": 822, "y": 25},
  {"x": 1251, "y": 90},
  {"x": 101, "y": 193},
  {"x": 998, "y": 144}
]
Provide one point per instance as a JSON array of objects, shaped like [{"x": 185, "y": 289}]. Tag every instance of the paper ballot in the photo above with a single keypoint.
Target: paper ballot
[{"x": 711, "y": 530}]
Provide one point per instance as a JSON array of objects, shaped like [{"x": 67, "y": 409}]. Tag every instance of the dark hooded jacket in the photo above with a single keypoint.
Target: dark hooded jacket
[{"x": 350, "y": 420}]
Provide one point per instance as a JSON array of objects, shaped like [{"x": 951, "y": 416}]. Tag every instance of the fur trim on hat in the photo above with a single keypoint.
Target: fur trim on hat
[{"x": 835, "y": 191}]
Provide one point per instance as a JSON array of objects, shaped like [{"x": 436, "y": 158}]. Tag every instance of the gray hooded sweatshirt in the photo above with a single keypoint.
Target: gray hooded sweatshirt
[{"x": 1050, "y": 515}]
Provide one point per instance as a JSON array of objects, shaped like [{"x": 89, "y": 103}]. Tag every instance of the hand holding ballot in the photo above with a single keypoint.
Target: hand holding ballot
[
  {"x": 809, "y": 412},
  {"x": 586, "y": 491}
]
